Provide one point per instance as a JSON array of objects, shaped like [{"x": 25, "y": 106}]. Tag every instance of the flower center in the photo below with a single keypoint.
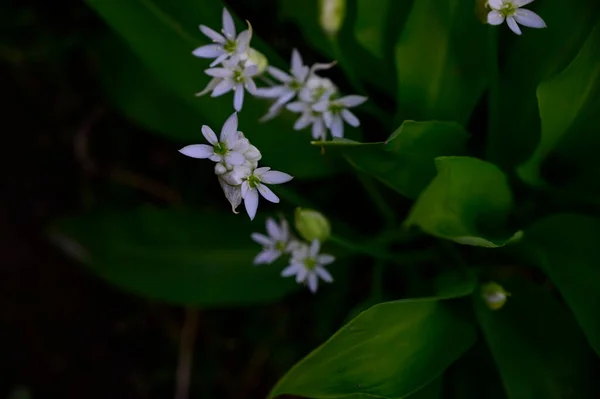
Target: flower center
[
  {"x": 336, "y": 108},
  {"x": 310, "y": 263},
  {"x": 253, "y": 181},
  {"x": 238, "y": 76},
  {"x": 220, "y": 148},
  {"x": 280, "y": 246},
  {"x": 295, "y": 85},
  {"x": 508, "y": 9},
  {"x": 230, "y": 46},
  {"x": 318, "y": 93}
]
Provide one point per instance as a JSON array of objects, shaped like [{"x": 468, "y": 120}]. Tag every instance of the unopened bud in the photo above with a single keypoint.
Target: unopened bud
[
  {"x": 312, "y": 225},
  {"x": 331, "y": 15},
  {"x": 257, "y": 58},
  {"x": 494, "y": 295}
]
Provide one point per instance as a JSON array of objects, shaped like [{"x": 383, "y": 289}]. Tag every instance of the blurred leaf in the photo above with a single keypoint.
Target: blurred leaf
[
  {"x": 389, "y": 351},
  {"x": 163, "y": 34},
  {"x": 191, "y": 258},
  {"x": 536, "y": 344},
  {"x": 467, "y": 194},
  {"x": 530, "y": 61},
  {"x": 441, "y": 61},
  {"x": 405, "y": 161},
  {"x": 562, "y": 102},
  {"x": 305, "y": 15},
  {"x": 566, "y": 247}
]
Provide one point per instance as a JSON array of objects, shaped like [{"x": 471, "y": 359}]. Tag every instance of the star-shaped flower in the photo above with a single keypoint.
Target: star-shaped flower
[
  {"x": 335, "y": 113},
  {"x": 275, "y": 244},
  {"x": 232, "y": 76},
  {"x": 255, "y": 182},
  {"x": 511, "y": 11},
  {"x": 308, "y": 265}
]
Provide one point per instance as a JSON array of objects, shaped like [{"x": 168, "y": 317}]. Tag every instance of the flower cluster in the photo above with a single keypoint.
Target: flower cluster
[
  {"x": 237, "y": 166},
  {"x": 511, "y": 11},
  {"x": 306, "y": 263}
]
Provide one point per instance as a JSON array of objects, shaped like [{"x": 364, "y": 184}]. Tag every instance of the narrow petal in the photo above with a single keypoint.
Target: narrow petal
[
  {"x": 521, "y": 3},
  {"x": 273, "y": 229},
  {"x": 286, "y": 97},
  {"x": 327, "y": 118},
  {"x": 259, "y": 171},
  {"x": 208, "y": 51},
  {"x": 529, "y": 19},
  {"x": 303, "y": 122},
  {"x": 321, "y": 106},
  {"x": 495, "y": 4},
  {"x": 201, "y": 151},
  {"x": 318, "y": 129},
  {"x": 279, "y": 74},
  {"x": 209, "y": 135},
  {"x": 250, "y": 70},
  {"x": 225, "y": 86},
  {"x": 235, "y": 158},
  {"x": 352, "y": 100},
  {"x": 296, "y": 106},
  {"x": 262, "y": 239},
  {"x": 232, "y": 193},
  {"x": 337, "y": 126},
  {"x": 251, "y": 202},
  {"x": 267, "y": 257},
  {"x": 321, "y": 66},
  {"x": 238, "y": 97},
  {"x": 243, "y": 40},
  {"x": 315, "y": 246},
  {"x": 495, "y": 18},
  {"x": 270, "y": 92},
  {"x": 228, "y": 25},
  {"x": 325, "y": 259},
  {"x": 275, "y": 177},
  {"x": 313, "y": 282},
  {"x": 219, "y": 72},
  {"x": 250, "y": 86},
  {"x": 301, "y": 274},
  {"x": 212, "y": 34},
  {"x": 230, "y": 127},
  {"x": 324, "y": 274},
  {"x": 219, "y": 59},
  {"x": 209, "y": 87},
  {"x": 350, "y": 118},
  {"x": 291, "y": 270},
  {"x": 268, "y": 194},
  {"x": 512, "y": 24}
]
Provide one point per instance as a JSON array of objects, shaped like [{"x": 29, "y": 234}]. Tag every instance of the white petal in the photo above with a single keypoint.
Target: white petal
[
  {"x": 321, "y": 106},
  {"x": 201, "y": 151},
  {"x": 285, "y": 231},
  {"x": 223, "y": 87},
  {"x": 303, "y": 122},
  {"x": 350, "y": 118},
  {"x": 325, "y": 259},
  {"x": 250, "y": 86},
  {"x": 235, "y": 158},
  {"x": 270, "y": 92},
  {"x": 291, "y": 270},
  {"x": 495, "y": 18},
  {"x": 337, "y": 126},
  {"x": 521, "y": 3},
  {"x": 230, "y": 127},
  {"x": 228, "y": 25},
  {"x": 512, "y": 24},
  {"x": 273, "y": 229},
  {"x": 219, "y": 59},
  {"x": 313, "y": 282},
  {"x": 209, "y": 135},
  {"x": 238, "y": 97},
  {"x": 250, "y": 70},
  {"x": 219, "y": 72},
  {"x": 495, "y": 4},
  {"x": 212, "y": 34},
  {"x": 220, "y": 169},
  {"x": 262, "y": 239},
  {"x": 315, "y": 245},
  {"x": 327, "y": 118},
  {"x": 243, "y": 40},
  {"x": 296, "y": 61},
  {"x": 233, "y": 194},
  {"x": 275, "y": 177},
  {"x": 296, "y": 106},
  {"x": 318, "y": 129},
  {"x": 324, "y": 274},
  {"x": 529, "y": 19},
  {"x": 267, "y": 256},
  {"x": 208, "y": 51},
  {"x": 279, "y": 74},
  {"x": 259, "y": 171},
  {"x": 301, "y": 274},
  {"x": 209, "y": 87},
  {"x": 268, "y": 194},
  {"x": 251, "y": 202},
  {"x": 351, "y": 101}
]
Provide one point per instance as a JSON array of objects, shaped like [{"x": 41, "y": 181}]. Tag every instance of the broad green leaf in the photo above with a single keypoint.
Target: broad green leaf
[
  {"x": 566, "y": 247},
  {"x": 441, "y": 61},
  {"x": 191, "y": 258},
  {"x": 162, "y": 35},
  {"x": 564, "y": 101},
  {"x": 529, "y": 62},
  {"x": 370, "y": 24},
  {"x": 405, "y": 161},
  {"x": 389, "y": 351},
  {"x": 536, "y": 344},
  {"x": 466, "y": 196}
]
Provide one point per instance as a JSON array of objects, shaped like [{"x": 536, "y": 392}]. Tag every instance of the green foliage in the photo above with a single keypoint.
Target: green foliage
[
  {"x": 466, "y": 195},
  {"x": 405, "y": 160}
]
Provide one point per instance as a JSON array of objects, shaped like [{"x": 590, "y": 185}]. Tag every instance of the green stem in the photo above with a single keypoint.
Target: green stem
[{"x": 370, "y": 186}]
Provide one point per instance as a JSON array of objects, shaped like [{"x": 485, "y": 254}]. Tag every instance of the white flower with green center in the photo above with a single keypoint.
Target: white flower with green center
[
  {"x": 233, "y": 76},
  {"x": 255, "y": 181},
  {"x": 511, "y": 11},
  {"x": 308, "y": 117},
  {"x": 335, "y": 113},
  {"x": 308, "y": 265},
  {"x": 225, "y": 45},
  {"x": 275, "y": 244}
]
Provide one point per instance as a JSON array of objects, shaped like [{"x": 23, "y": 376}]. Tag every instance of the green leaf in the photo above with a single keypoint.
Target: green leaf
[
  {"x": 389, "y": 351},
  {"x": 191, "y": 258},
  {"x": 530, "y": 61},
  {"x": 467, "y": 195},
  {"x": 162, "y": 35},
  {"x": 440, "y": 61},
  {"x": 567, "y": 101},
  {"x": 537, "y": 346},
  {"x": 566, "y": 247},
  {"x": 405, "y": 161}
]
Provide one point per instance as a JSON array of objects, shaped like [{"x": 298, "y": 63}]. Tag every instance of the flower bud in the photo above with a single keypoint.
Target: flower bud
[
  {"x": 257, "y": 58},
  {"x": 494, "y": 295},
  {"x": 331, "y": 15},
  {"x": 312, "y": 225}
]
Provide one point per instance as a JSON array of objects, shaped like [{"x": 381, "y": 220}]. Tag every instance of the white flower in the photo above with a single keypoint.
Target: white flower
[
  {"x": 275, "y": 244},
  {"x": 316, "y": 89},
  {"x": 228, "y": 151},
  {"x": 513, "y": 13},
  {"x": 308, "y": 117},
  {"x": 335, "y": 112},
  {"x": 233, "y": 76},
  {"x": 254, "y": 182},
  {"x": 232, "y": 193},
  {"x": 308, "y": 265},
  {"x": 225, "y": 45}
]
